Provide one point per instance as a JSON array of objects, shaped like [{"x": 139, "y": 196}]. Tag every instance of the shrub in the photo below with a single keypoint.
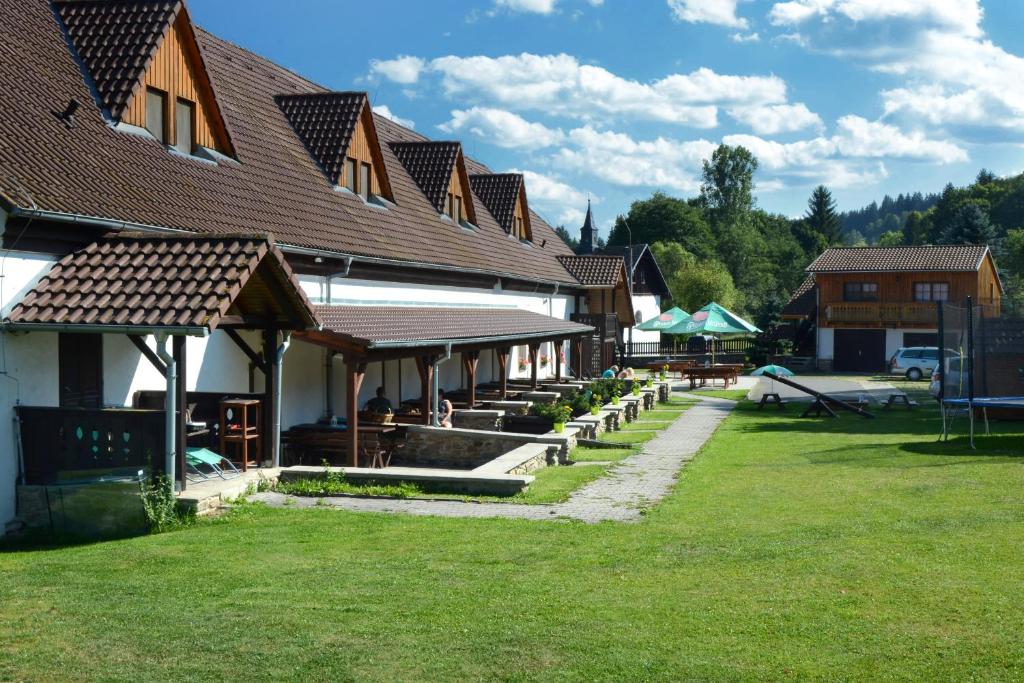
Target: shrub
[
  {"x": 556, "y": 412},
  {"x": 159, "y": 504}
]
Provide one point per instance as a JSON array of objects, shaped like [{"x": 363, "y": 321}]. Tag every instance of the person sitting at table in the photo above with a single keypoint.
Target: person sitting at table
[
  {"x": 444, "y": 415},
  {"x": 627, "y": 373},
  {"x": 379, "y": 404},
  {"x": 611, "y": 372}
]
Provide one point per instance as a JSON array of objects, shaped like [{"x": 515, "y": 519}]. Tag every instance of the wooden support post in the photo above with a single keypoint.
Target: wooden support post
[
  {"x": 425, "y": 367},
  {"x": 354, "y": 373},
  {"x": 181, "y": 399},
  {"x": 269, "y": 409},
  {"x": 578, "y": 356},
  {"x": 533, "y": 364},
  {"x": 503, "y": 356},
  {"x": 470, "y": 359},
  {"x": 559, "y": 344}
]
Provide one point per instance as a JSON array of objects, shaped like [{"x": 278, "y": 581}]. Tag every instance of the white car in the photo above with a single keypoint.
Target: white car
[
  {"x": 914, "y": 362},
  {"x": 956, "y": 378}
]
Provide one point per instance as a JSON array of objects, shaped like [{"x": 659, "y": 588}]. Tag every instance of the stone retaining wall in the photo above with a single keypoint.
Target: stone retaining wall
[
  {"x": 471, "y": 448},
  {"x": 485, "y": 420}
]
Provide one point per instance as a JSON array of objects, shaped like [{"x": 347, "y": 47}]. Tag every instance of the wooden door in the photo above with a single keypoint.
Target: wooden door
[
  {"x": 859, "y": 351},
  {"x": 80, "y": 361}
]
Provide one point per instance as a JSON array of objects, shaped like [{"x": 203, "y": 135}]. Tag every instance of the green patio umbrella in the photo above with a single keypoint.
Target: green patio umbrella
[
  {"x": 776, "y": 370},
  {"x": 715, "y": 320},
  {"x": 669, "y": 318}
]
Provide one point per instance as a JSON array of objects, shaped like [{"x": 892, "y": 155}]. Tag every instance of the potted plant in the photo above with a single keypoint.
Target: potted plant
[
  {"x": 595, "y": 407},
  {"x": 636, "y": 389},
  {"x": 524, "y": 363},
  {"x": 664, "y": 372},
  {"x": 615, "y": 398},
  {"x": 543, "y": 361},
  {"x": 558, "y": 413},
  {"x": 650, "y": 380}
]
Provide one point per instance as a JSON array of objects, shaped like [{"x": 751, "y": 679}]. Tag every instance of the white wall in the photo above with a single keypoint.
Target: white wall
[
  {"x": 826, "y": 343},
  {"x": 894, "y": 340},
  {"x": 649, "y": 306}
]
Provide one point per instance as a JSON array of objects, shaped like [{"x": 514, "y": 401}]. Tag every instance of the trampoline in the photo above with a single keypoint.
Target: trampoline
[{"x": 951, "y": 406}]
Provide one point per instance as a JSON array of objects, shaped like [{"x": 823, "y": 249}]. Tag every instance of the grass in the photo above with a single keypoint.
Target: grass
[
  {"x": 790, "y": 549},
  {"x": 730, "y": 394},
  {"x": 584, "y": 454},
  {"x": 551, "y": 485},
  {"x": 644, "y": 426}
]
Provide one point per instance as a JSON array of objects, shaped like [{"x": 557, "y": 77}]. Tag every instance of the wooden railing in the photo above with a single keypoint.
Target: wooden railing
[
  {"x": 663, "y": 349},
  {"x": 911, "y": 313},
  {"x": 63, "y": 444}
]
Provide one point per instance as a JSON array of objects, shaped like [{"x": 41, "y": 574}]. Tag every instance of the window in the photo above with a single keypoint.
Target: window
[
  {"x": 184, "y": 123},
  {"x": 448, "y": 204},
  {"x": 860, "y": 291},
  {"x": 364, "y": 180},
  {"x": 350, "y": 174},
  {"x": 457, "y": 213},
  {"x": 931, "y": 291},
  {"x": 80, "y": 370},
  {"x": 517, "y": 228},
  {"x": 156, "y": 113}
]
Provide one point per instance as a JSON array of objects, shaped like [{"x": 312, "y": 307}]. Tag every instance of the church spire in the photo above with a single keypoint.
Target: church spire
[{"x": 588, "y": 233}]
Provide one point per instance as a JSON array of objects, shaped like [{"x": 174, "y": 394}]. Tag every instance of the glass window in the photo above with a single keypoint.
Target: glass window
[
  {"x": 860, "y": 291},
  {"x": 457, "y": 215},
  {"x": 350, "y": 174},
  {"x": 448, "y": 204},
  {"x": 930, "y": 354},
  {"x": 912, "y": 353},
  {"x": 364, "y": 181},
  {"x": 931, "y": 291},
  {"x": 156, "y": 113},
  {"x": 184, "y": 117}
]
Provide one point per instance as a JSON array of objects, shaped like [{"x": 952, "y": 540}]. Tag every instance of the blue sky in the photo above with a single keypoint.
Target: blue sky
[{"x": 614, "y": 99}]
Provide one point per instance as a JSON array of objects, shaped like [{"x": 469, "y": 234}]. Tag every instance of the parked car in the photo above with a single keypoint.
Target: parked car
[
  {"x": 914, "y": 361},
  {"x": 956, "y": 378}
]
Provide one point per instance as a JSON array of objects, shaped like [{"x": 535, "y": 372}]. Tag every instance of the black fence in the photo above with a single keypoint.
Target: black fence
[
  {"x": 689, "y": 346},
  {"x": 983, "y": 346},
  {"x": 68, "y": 444}
]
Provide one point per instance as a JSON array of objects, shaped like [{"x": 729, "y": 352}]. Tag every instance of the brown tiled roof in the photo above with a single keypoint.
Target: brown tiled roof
[
  {"x": 382, "y": 326},
  {"x": 157, "y": 281},
  {"x": 325, "y": 123},
  {"x": 115, "y": 39},
  {"x": 431, "y": 164},
  {"x": 803, "y": 300},
  {"x": 499, "y": 192},
  {"x": 947, "y": 257},
  {"x": 594, "y": 270},
  {"x": 275, "y": 188}
]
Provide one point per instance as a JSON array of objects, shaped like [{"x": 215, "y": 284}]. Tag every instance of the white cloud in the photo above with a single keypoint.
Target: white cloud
[
  {"x": 502, "y": 128},
  {"x": 560, "y": 85},
  {"x": 385, "y": 111},
  {"x": 403, "y": 69},
  {"x": 550, "y": 196},
  {"x": 777, "y": 118},
  {"x": 957, "y": 15},
  {"x": 858, "y": 137},
  {"x": 529, "y": 6},
  {"x": 746, "y": 37},
  {"x": 720, "y": 12}
]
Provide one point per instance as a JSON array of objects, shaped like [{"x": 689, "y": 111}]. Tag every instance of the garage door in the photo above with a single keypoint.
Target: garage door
[{"x": 859, "y": 350}]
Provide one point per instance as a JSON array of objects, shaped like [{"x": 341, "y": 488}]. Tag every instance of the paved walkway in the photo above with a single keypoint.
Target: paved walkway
[{"x": 638, "y": 482}]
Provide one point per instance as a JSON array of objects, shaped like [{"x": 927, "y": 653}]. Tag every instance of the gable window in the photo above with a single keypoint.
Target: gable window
[
  {"x": 184, "y": 125},
  {"x": 860, "y": 291},
  {"x": 350, "y": 174},
  {"x": 156, "y": 114},
  {"x": 931, "y": 291},
  {"x": 457, "y": 213},
  {"x": 365, "y": 174}
]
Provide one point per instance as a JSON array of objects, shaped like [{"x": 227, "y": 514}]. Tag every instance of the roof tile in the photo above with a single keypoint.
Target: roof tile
[
  {"x": 595, "y": 270},
  {"x": 946, "y": 257}
]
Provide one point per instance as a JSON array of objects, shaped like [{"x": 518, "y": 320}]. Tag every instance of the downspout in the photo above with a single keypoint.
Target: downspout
[
  {"x": 436, "y": 387},
  {"x": 170, "y": 426},
  {"x": 551, "y": 314},
  {"x": 286, "y": 340}
]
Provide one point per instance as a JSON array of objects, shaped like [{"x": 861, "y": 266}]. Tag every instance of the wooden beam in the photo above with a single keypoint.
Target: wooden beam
[
  {"x": 148, "y": 353},
  {"x": 425, "y": 368},
  {"x": 470, "y": 360},
  {"x": 181, "y": 399},
  {"x": 558, "y": 359},
  {"x": 354, "y": 373},
  {"x": 503, "y": 356},
  {"x": 250, "y": 322},
  {"x": 254, "y": 357},
  {"x": 269, "y": 407},
  {"x": 533, "y": 364}
]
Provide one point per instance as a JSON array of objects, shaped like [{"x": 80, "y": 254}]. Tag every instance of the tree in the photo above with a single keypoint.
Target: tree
[
  {"x": 567, "y": 237},
  {"x": 821, "y": 215},
  {"x": 727, "y": 188},
  {"x": 707, "y": 281},
  {"x": 969, "y": 225},
  {"x": 1013, "y": 251},
  {"x": 666, "y": 219},
  {"x": 917, "y": 229},
  {"x": 985, "y": 177},
  {"x": 891, "y": 238},
  {"x": 855, "y": 239}
]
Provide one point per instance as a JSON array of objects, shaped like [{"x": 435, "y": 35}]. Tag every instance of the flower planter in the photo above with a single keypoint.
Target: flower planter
[
  {"x": 595, "y": 410},
  {"x": 636, "y": 390},
  {"x": 559, "y": 427},
  {"x": 615, "y": 400}
]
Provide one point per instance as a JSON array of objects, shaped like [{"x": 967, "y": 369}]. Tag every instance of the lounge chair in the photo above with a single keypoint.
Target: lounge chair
[{"x": 202, "y": 464}]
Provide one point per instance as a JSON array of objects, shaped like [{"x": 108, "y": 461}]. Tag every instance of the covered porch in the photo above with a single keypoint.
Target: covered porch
[{"x": 160, "y": 294}]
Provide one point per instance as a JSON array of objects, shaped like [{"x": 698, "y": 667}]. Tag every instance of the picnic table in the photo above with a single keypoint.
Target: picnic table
[
  {"x": 319, "y": 442},
  {"x": 699, "y": 376}
]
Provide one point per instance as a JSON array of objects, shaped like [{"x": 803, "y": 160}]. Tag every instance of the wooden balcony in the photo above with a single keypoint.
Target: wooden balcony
[{"x": 877, "y": 314}]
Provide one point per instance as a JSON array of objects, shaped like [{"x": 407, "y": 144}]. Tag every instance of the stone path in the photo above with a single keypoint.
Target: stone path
[{"x": 638, "y": 482}]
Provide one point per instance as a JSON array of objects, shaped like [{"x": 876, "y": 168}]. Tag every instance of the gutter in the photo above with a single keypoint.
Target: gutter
[
  {"x": 104, "y": 329},
  {"x": 113, "y": 224},
  {"x": 275, "y": 425},
  {"x": 434, "y": 391},
  {"x": 476, "y": 340},
  {"x": 170, "y": 407}
]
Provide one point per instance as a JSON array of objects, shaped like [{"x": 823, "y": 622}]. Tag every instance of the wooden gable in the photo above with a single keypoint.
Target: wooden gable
[
  {"x": 365, "y": 149},
  {"x": 521, "y": 216},
  {"x": 176, "y": 68},
  {"x": 458, "y": 186}
]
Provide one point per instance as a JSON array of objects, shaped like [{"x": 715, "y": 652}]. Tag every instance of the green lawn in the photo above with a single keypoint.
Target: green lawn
[
  {"x": 645, "y": 425},
  {"x": 731, "y": 394},
  {"x": 585, "y": 454},
  {"x": 791, "y": 549},
  {"x": 550, "y": 485}
]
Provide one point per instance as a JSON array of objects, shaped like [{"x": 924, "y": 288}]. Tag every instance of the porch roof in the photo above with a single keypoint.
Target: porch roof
[
  {"x": 138, "y": 283},
  {"x": 375, "y": 331}
]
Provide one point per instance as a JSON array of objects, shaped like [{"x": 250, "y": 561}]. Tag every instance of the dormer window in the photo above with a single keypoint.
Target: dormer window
[
  {"x": 439, "y": 170},
  {"x": 350, "y": 174},
  {"x": 156, "y": 114},
  {"x": 365, "y": 174},
  {"x": 504, "y": 195},
  {"x": 184, "y": 126}
]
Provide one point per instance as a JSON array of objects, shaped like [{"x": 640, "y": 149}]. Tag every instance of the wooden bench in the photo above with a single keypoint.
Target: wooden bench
[{"x": 900, "y": 398}]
